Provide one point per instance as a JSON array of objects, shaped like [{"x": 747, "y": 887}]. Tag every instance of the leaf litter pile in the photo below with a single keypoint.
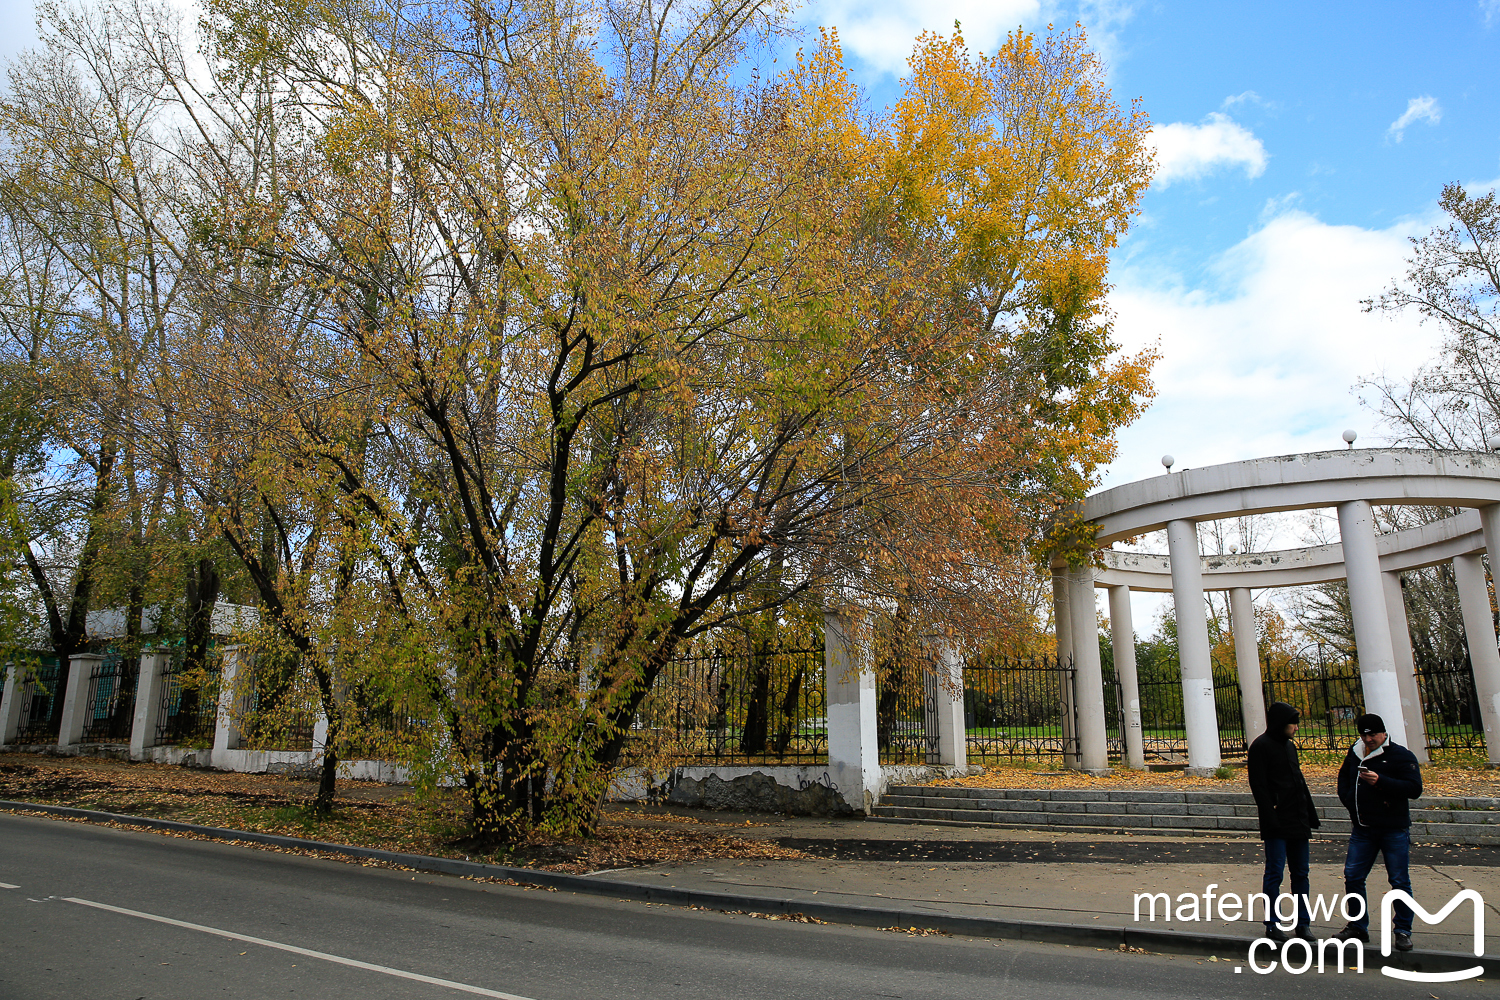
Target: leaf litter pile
[
  {"x": 1440, "y": 779},
  {"x": 365, "y": 814}
]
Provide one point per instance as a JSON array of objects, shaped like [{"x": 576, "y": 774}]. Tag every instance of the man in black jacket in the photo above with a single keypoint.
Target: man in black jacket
[
  {"x": 1378, "y": 780},
  {"x": 1287, "y": 814}
]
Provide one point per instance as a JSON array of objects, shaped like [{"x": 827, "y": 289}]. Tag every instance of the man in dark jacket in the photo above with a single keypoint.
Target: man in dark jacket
[
  {"x": 1378, "y": 780},
  {"x": 1287, "y": 814}
]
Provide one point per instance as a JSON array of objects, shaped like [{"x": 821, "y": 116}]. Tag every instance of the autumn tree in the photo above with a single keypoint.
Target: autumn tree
[
  {"x": 632, "y": 352},
  {"x": 1452, "y": 280},
  {"x": 511, "y": 352},
  {"x": 93, "y": 257}
]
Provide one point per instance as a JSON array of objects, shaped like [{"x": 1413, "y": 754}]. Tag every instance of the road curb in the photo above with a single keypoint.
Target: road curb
[{"x": 1224, "y": 946}]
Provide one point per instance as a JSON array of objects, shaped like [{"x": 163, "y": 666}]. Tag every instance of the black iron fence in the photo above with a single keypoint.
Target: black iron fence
[
  {"x": 1451, "y": 706},
  {"x": 382, "y": 730},
  {"x": 292, "y": 731},
  {"x": 280, "y": 707},
  {"x": 1114, "y": 714},
  {"x": 1013, "y": 708},
  {"x": 39, "y": 721},
  {"x": 1163, "y": 725},
  {"x": 723, "y": 705},
  {"x": 109, "y": 703},
  {"x": 906, "y": 700},
  {"x": 189, "y": 708},
  {"x": 1326, "y": 691}
]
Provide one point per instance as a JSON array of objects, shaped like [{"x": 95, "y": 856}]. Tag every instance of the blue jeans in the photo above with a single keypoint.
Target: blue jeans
[
  {"x": 1278, "y": 854},
  {"x": 1366, "y": 842}
]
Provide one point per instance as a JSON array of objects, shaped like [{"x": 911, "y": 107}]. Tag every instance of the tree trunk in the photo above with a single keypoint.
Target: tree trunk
[
  {"x": 789, "y": 711},
  {"x": 757, "y": 713},
  {"x": 327, "y": 780},
  {"x": 202, "y": 595}
]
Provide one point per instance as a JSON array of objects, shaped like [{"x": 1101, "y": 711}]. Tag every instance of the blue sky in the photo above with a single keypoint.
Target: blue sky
[{"x": 1300, "y": 144}]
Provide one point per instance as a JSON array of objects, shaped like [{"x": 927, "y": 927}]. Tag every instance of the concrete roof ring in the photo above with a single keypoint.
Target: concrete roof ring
[{"x": 1297, "y": 482}]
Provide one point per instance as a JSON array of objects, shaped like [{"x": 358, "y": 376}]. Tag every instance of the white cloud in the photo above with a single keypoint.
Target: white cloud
[
  {"x": 1105, "y": 22},
  {"x": 1261, "y": 360},
  {"x": 1249, "y": 97},
  {"x": 1187, "y": 152},
  {"x": 1491, "y": 10},
  {"x": 880, "y": 34},
  {"x": 1418, "y": 109}
]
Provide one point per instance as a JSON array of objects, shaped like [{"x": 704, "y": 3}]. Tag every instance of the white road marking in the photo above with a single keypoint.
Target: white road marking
[
  {"x": 336, "y": 959},
  {"x": 7, "y": 885}
]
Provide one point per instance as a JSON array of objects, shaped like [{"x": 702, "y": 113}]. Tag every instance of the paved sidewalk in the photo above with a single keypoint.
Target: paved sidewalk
[{"x": 1058, "y": 877}]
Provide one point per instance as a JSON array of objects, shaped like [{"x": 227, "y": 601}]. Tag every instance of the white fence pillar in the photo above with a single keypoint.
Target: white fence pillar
[
  {"x": 1200, "y": 717},
  {"x": 76, "y": 702},
  {"x": 1062, "y": 627},
  {"x": 148, "y": 695},
  {"x": 853, "y": 754},
  {"x": 1479, "y": 633},
  {"x": 10, "y": 705},
  {"x": 1247, "y": 662},
  {"x": 1406, "y": 666},
  {"x": 227, "y": 734},
  {"x": 1088, "y": 673},
  {"x": 953, "y": 736},
  {"x": 1372, "y": 625},
  {"x": 1122, "y": 642}
]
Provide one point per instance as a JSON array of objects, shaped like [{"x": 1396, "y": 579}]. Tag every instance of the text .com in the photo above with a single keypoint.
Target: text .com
[{"x": 1298, "y": 955}]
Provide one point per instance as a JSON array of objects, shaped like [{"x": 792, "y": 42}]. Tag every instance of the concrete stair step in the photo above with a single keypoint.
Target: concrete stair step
[
  {"x": 1043, "y": 805},
  {"x": 1194, "y": 814},
  {"x": 1444, "y": 835},
  {"x": 1117, "y": 820},
  {"x": 960, "y": 793}
]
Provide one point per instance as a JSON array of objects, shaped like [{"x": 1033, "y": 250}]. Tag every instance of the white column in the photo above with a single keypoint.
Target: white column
[
  {"x": 148, "y": 700},
  {"x": 1372, "y": 626},
  {"x": 227, "y": 729},
  {"x": 76, "y": 698},
  {"x": 1489, "y": 708},
  {"x": 10, "y": 705},
  {"x": 953, "y": 741},
  {"x": 1088, "y": 673},
  {"x": 853, "y": 754},
  {"x": 1479, "y": 631},
  {"x": 1247, "y": 662},
  {"x": 1199, "y": 715},
  {"x": 320, "y": 733},
  {"x": 1062, "y": 626},
  {"x": 1406, "y": 666},
  {"x": 1122, "y": 641}
]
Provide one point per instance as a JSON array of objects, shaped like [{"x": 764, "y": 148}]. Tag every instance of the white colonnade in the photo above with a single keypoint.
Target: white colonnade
[{"x": 1349, "y": 481}]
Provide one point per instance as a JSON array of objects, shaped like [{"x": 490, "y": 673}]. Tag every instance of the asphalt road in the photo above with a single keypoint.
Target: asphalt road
[{"x": 90, "y": 912}]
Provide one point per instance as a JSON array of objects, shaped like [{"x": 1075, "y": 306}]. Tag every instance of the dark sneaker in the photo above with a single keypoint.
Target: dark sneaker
[
  {"x": 1403, "y": 941},
  {"x": 1278, "y": 935},
  {"x": 1306, "y": 934},
  {"x": 1350, "y": 933}
]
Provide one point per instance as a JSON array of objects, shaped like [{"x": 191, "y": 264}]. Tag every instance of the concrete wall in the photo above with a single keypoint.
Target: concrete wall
[
  {"x": 801, "y": 790},
  {"x": 297, "y": 762}
]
